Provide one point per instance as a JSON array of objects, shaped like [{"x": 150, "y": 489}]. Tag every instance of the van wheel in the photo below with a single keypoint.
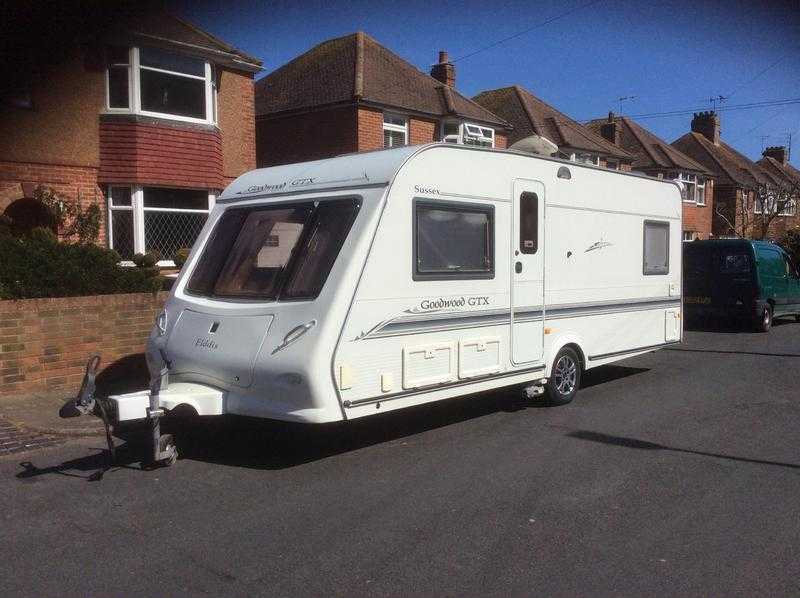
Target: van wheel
[
  {"x": 565, "y": 379},
  {"x": 764, "y": 323}
]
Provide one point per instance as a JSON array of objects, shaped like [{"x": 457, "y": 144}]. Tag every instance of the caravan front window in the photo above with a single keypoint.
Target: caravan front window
[
  {"x": 272, "y": 253},
  {"x": 453, "y": 240}
]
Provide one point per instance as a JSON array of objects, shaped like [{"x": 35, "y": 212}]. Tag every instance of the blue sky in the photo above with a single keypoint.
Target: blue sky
[{"x": 670, "y": 56}]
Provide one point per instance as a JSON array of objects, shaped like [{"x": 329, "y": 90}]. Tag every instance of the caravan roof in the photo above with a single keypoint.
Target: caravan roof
[
  {"x": 358, "y": 170},
  {"x": 352, "y": 170}
]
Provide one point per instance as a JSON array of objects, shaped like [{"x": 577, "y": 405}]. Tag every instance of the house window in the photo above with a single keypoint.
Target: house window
[
  {"x": 395, "y": 130},
  {"x": 694, "y": 186},
  {"x": 612, "y": 164},
  {"x": 701, "y": 191},
  {"x": 656, "y": 248},
  {"x": 467, "y": 133},
  {"x": 142, "y": 219},
  {"x": 155, "y": 82},
  {"x": 453, "y": 240},
  {"x": 580, "y": 157},
  {"x": 688, "y": 235}
]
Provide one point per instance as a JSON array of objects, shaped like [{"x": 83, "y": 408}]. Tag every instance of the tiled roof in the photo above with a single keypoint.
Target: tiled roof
[
  {"x": 729, "y": 166},
  {"x": 169, "y": 29},
  {"x": 782, "y": 174},
  {"x": 356, "y": 67},
  {"x": 650, "y": 151},
  {"x": 529, "y": 115}
]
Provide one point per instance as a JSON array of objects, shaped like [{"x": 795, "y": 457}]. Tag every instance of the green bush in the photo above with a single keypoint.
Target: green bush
[
  {"x": 38, "y": 265},
  {"x": 180, "y": 257},
  {"x": 147, "y": 260}
]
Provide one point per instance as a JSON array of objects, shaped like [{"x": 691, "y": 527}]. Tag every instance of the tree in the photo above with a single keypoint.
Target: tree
[{"x": 771, "y": 201}]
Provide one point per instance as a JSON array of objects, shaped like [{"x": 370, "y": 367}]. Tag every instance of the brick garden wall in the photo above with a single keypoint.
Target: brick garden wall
[{"x": 45, "y": 343}]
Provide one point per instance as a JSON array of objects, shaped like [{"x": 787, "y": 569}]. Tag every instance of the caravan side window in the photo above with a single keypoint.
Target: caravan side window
[
  {"x": 453, "y": 240},
  {"x": 528, "y": 222},
  {"x": 656, "y": 248}
]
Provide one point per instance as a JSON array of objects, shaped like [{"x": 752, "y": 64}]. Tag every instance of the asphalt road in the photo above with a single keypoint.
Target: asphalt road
[{"x": 673, "y": 473}]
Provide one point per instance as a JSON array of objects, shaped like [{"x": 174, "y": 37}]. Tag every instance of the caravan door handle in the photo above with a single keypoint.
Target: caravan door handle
[{"x": 518, "y": 267}]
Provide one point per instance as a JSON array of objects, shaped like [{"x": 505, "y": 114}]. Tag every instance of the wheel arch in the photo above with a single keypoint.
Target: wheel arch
[{"x": 566, "y": 340}]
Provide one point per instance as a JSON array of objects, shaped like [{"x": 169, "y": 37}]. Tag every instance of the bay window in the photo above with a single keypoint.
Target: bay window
[
  {"x": 155, "y": 82},
  {"x": 142, "y": 219}
]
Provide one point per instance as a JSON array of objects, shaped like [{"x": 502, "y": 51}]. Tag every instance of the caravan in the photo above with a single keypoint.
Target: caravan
[{"x": 342, "y": 288}]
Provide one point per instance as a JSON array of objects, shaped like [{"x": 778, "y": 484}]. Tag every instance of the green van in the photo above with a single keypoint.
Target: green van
[{"x": 754, "y": 281}]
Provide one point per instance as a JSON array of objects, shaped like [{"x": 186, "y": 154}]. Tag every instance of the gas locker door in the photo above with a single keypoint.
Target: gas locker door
[{"x": 527, "y": 272}]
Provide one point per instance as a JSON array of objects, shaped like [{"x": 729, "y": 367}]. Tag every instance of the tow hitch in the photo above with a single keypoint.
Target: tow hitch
[{"x": 164, "y": 451}]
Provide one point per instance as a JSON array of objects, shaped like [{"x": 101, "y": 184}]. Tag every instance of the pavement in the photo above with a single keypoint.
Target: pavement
[{"x": 672, "y": 473}]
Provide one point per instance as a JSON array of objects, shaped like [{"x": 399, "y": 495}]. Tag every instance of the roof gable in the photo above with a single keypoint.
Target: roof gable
[
  {"x": 783, "y": 174},
  {"x": 722, "y": 160},
  {"x": 357, "y": 68},
  {"x": 650, "y": 152},
  {"x": 529, "y": 115}
]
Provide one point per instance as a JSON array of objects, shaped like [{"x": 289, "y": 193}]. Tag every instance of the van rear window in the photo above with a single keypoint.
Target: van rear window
[{"x": 276, "y": 252}]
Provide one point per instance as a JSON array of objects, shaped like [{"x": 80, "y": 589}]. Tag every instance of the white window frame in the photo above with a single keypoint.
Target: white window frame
[
  {"x": 138, "y": 208},
  {"x": 573, "y": 157},
  {"x": 468, "y": 130},
  {"x": 395, "y": 128},
  {"x": 700, "y": 189},
  {"x": 688, "y": 180},
  {"x": 688, "y": 236},
  {"x": 135, "y": 98}
]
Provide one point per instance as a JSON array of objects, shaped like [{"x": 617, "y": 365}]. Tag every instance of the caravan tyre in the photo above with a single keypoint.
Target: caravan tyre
[{"x": 565, "y": 377}]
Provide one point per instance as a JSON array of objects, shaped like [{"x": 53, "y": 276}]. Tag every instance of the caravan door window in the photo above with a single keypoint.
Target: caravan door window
[
  {"x": 274, "y": 252},
  {"x": 453, "y": 240}
]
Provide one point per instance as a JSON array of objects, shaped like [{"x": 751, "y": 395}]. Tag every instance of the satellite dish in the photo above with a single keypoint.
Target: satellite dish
[{"x": 535, "y": 144}]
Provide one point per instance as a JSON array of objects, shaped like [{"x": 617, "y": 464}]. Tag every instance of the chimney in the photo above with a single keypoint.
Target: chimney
[
  {"x": 778, "y": 152},
  {"x": 707, "y": 124},
  {"x": 609, "y": 129},
  {"x": 444, "y": 71}
]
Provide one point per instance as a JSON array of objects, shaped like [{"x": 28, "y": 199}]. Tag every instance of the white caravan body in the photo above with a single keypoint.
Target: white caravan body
[{"x": 459, "y": 269}]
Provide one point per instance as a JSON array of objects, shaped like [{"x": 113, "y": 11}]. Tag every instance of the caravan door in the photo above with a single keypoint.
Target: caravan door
[{"x": 527, "y": 272}]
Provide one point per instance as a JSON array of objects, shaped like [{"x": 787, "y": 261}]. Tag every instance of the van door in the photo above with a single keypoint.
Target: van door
[{"x": 527, "y": 272}]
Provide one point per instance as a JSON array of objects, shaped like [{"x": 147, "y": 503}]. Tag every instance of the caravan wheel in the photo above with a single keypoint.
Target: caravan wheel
[{"x": 565, "y": 378}]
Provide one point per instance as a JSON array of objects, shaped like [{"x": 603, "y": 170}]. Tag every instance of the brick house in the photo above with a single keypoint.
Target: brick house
[
  {"x": 530, "y": 115},
  {"x": 774, "y": 163},
  {"x": 145, "y": 115},
  {"x": 737, "y": 180},
  {"x": 352, "y": 94},
  {"x": 655, "y": 157}
]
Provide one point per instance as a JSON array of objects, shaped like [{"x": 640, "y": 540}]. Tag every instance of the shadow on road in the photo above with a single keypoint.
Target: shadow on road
[
  {"x": 635, "y": 443},
  {"x": 607, "y": 373},
  {"x": 728, "y": 326},
  {"x": 730, "y": 352},
  {"x": 266, "y": 444},
  {"x": 91, "y": 467}
]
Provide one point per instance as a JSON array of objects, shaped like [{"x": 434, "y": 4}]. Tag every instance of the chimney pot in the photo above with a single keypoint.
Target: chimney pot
[
  {"x": 778, "y": 152},
  {"x": 707, "y": 124},
  {"x": 444, "y": 70},
  {"x": 609, "y": 130}
]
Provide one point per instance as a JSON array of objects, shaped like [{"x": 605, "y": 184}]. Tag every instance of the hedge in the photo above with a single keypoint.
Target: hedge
[{"x": 38, "y": 265}]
